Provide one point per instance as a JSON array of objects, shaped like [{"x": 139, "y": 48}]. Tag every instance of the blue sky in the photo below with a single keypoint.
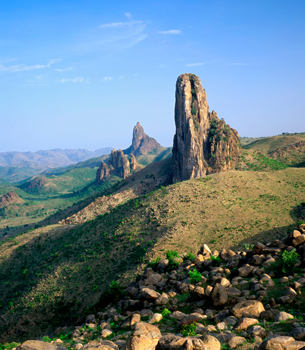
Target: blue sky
[{"x": 80, "y": 74}]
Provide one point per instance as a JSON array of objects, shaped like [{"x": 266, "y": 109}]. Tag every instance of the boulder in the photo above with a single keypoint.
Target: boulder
[
  {"x": 210, "y": 343},
  {"x": 170, "y": 342},
  {"x": 283, "y": 316},
  {"x": 39, "y": 345},
  {"x": 219, "y": 295},
  {"x": 148, "y": 294},
  {"x": 248, "y": 308},
  {"x": 281, "y": 343},
  {"x": 244, "y": 323},
  {"x": 145, "y": 336}
]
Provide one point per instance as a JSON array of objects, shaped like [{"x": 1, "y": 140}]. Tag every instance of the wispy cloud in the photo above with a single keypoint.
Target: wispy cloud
[
  {"x": 74, "y": 80},
  {"x": 120, "y": 24},
  {"x": 128, "y": 14},
  {"x": 64, "y": 69},
  {"x": 107, "y": 79},
  {"x": 170, "y": 32},
  {"x": 194, "y": 64},
  {"x": 237, "y": 64},
  {"x": 23, "y": 67},
  {"x": 114, "y": 37}
]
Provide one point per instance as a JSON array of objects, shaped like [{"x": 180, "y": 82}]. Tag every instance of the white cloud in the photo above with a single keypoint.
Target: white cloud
[
  {"x": 170, "y": 32},
  {"x": 74, "y": 80},
  {"x": 128, "y": 14},
  {"x": 120, "y": 24},
  {"x": 64, "y": 69},
  {"x": 23, "y": 67},
  {"x": 107, "y": 78},
  {"x": 136, "y": 75},
  {"x": 194, "y": 64}
]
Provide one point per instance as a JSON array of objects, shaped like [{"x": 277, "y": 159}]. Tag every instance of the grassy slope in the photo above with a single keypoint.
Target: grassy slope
[
  {"x": 269, "y": 144},
  {"x": 53, "y": 273}
]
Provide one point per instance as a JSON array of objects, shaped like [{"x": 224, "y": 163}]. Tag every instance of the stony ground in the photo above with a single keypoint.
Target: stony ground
[{"x": 213, "y": 300}]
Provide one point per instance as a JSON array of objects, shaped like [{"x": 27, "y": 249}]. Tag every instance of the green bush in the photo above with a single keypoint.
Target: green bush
[
  {"x": 113, "y": 294},
  {"x": 194, "y": 112},
  {"x": 172, "y": 256},
  {"x": 8, "y": 346},
  {"x": 154, "y": 263},
  {"x": 195, "y": 276},
  {"x": 284, "y": 265},
  {"x": 165, "y": 313},
  {"x": 189, "y": 256},
  {"x": 46, "y": 339},
  {"x": 216, "y": 260},
  {"x": 189, "y": 330}
]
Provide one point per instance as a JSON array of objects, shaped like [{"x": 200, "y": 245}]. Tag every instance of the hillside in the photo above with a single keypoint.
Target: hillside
[
  {"x": 16, "y": 166},
  {"x": 288, "y": 148},
  {"x": 62, "y": 270}
]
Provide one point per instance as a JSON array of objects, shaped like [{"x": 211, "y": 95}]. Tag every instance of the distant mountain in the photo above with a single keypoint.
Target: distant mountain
[{"x": 17, "y": 166}]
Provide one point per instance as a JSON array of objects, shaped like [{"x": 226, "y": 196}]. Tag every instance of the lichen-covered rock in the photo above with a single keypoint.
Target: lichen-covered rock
[{"x": 203, "y": 143}]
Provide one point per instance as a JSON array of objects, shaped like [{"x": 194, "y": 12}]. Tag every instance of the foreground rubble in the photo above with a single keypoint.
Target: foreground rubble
[{"x": 216, "y": 300}]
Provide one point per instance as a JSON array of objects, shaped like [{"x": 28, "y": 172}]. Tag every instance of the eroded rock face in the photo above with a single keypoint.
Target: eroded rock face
[
  {"x": 141, "y": 142},
  {"x": 118, "y": 164},
  {"x": 203, "y": 144}
]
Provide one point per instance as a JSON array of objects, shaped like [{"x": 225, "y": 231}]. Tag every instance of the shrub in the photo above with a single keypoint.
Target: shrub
[
  {"x": 285, "y": 263},
  {"x": 47, "y": 339},
  {"x": 194, "y": 112},
  {"x": 113, "y": 294},
  {"x": 165, "y": 313},
  {"x": 154, "y": 263},
  {"x": 189, "y": 330},
  {"x": 189, "y": 256},
  {"x": 248, "y": 246},
  {"x": 195, "y": 276},
  {"x": 172, "y": 256},
  {"x": 8, "y": 346},
  {"x": 216, "y": 259}
]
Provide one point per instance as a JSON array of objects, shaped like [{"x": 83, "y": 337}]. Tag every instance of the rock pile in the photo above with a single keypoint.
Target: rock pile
[
  {"x": 226, "y": 299},
  {"x": 203, "y": 143}
]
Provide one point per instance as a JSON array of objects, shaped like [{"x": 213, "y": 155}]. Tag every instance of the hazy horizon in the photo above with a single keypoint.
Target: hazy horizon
[{"x": 77, "y": 75}]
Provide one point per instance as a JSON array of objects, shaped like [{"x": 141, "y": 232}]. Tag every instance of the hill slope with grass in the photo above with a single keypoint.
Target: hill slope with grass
[
  {"x": 288, "y": 148},
  {"x": 54, "y": 274}
]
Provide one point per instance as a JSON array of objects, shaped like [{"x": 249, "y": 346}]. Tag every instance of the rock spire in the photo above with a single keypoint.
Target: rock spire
[
  {"x": 203, "y": 143},
  {"x": 141, "y": 142}
]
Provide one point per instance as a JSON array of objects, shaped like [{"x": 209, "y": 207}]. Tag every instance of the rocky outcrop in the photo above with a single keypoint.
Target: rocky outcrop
[
  {"x": 141, "y": 142},
  {"x": 118, "y": 164},
  {"x": 10, "y": 198},
  {"x": 203, "y": 144},
  {"x": 102, "y": 172}
]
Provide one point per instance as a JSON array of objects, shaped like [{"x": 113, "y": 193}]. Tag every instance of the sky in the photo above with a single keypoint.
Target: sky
[{"x": 82, "y": 73}]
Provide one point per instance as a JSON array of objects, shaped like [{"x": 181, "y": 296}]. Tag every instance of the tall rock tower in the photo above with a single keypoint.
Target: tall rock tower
[{"x": 203, "y": 144}]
